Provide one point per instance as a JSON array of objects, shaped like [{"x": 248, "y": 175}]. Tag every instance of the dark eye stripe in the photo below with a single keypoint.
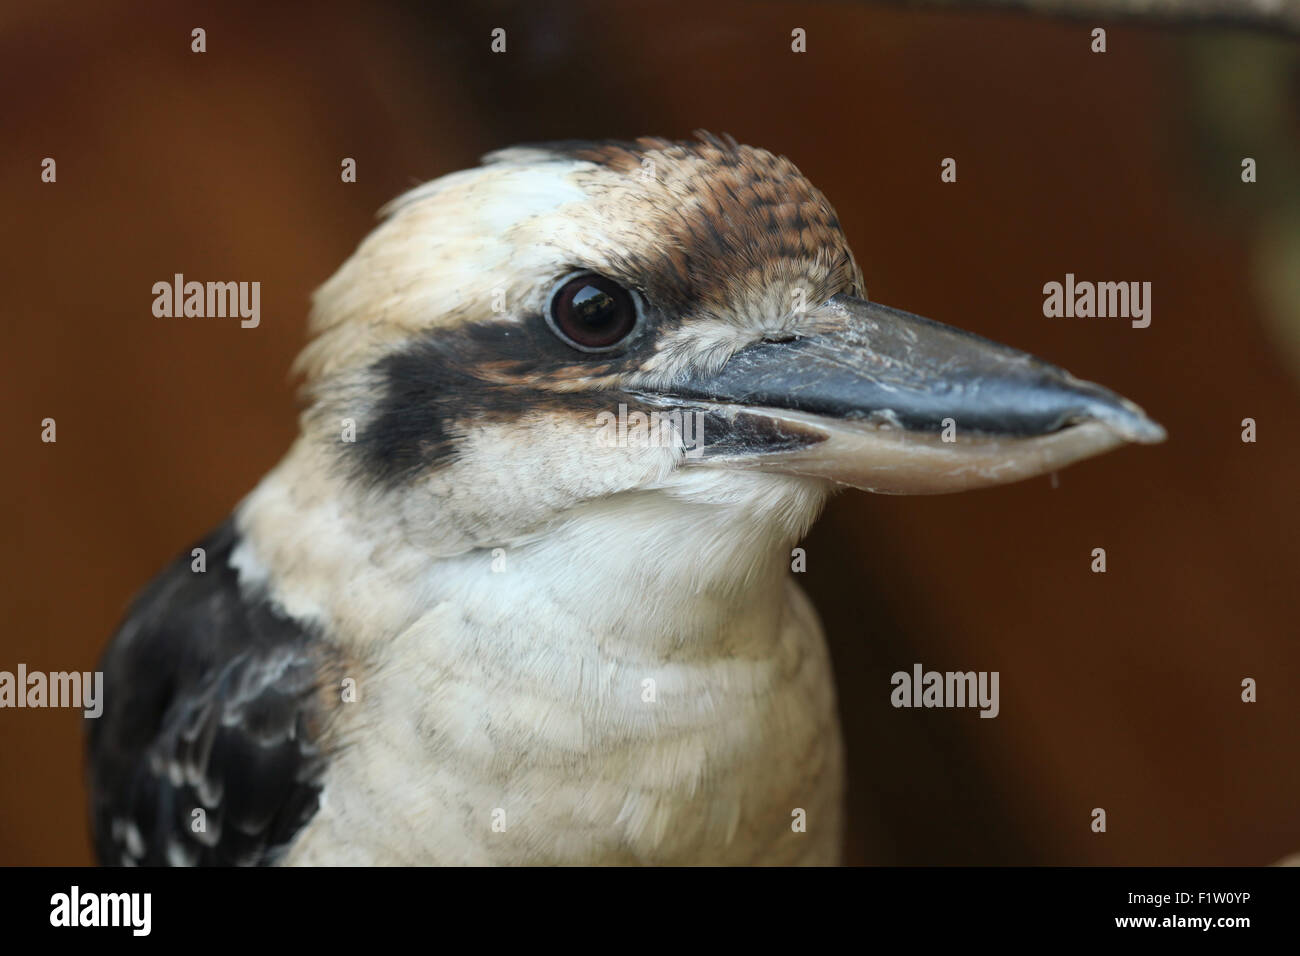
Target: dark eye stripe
[{"x": 417, "y": 401}]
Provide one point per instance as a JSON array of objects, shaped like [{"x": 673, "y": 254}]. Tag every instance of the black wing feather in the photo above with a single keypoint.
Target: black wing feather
[{"x": 210, "y": 704}]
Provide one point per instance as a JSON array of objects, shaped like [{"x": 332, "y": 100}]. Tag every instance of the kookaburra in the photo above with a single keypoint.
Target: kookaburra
[{"x": 465, "y": 621}]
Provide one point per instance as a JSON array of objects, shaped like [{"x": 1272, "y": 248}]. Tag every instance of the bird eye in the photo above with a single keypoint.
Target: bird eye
[{"x": 592, "y": 313}]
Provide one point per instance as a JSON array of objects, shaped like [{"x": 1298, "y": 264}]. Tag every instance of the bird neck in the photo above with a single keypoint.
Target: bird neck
[{"x": 696, "y": 561}]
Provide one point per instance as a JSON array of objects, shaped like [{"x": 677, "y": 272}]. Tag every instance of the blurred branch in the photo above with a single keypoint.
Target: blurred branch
[{"x": 1275, "y": 16}]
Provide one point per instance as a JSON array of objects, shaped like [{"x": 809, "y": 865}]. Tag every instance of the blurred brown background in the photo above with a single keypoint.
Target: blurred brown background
[{"x": 1119, "y": 690}]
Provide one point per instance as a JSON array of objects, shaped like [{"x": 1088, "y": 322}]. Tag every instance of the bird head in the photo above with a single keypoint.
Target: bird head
[{"x": 578, "y": 323}]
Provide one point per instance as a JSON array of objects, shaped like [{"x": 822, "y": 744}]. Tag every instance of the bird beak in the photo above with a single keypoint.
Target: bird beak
[{"x": 890, "y": 402}]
